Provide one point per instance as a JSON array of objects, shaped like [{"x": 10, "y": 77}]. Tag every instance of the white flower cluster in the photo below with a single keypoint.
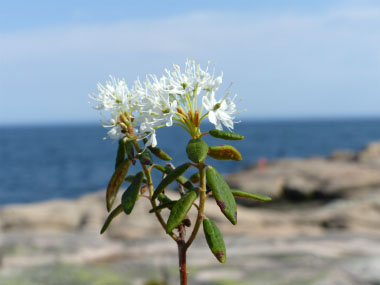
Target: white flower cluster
[{"x": 171, "y": 99}]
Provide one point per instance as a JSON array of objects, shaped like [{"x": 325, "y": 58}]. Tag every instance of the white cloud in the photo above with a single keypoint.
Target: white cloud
[
  {"x": 200, "y": 33},
  {"x": 295, "y": 59}
]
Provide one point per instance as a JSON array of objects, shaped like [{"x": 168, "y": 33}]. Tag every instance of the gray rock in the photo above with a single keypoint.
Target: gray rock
[
  {"x": 343, "y": 155},
  {"x": 370, "y": 155},
  {"x": 53, "y": 215},
  {"x": 307, "y": 179},
  {"x": 334, "y": 242},
  {"x": 338, "y": 276}
]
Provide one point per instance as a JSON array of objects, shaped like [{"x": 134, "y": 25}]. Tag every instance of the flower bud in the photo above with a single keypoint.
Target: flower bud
[
  {"x": 180, "y": 110},
  {"x": 196, "y": 118},
  {"x": 197, "y": 150},
  {"x": 190, "y": 115}
]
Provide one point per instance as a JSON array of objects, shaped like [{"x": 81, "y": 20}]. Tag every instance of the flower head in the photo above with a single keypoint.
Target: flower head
[{"x": 171, "y": 99}]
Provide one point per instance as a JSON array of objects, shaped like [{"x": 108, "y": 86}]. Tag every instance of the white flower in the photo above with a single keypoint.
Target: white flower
[
  {"x": 220, "y": 112},
  {"x": 115, "y": 133},
  {"x": 116, "y": 130},
  {"x": 112, "y": 95},
  {"x": 206, "y": 80},
  {"x": 163, "y": 111},
  {"x": 178, "y": 82},
  {"x": 152, "y": 141},
  {"x": 158, "y": 105},
  {"x": 147, "y": 130},
  {"x": 193, "y": 77},
  {"x": 210, "y": 84}
]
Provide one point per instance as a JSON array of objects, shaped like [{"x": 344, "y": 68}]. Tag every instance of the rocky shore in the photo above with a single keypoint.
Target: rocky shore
[{"x": 323, "y": 227}]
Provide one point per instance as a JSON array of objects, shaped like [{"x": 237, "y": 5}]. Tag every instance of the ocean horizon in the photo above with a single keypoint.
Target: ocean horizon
[{"x": 40, "y": 162}]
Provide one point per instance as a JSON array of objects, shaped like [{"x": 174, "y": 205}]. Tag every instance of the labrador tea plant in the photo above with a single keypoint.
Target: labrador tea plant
[{"x": 136, "y": 114}]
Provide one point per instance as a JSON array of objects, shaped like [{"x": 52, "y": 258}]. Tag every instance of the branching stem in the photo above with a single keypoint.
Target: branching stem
[
  {"x": 202, "y": 199},
  {"x": 180, "y": 240},
  {"x": 151, "y": 189}
]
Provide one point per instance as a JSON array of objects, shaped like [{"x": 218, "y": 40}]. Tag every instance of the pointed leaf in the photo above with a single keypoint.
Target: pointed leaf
[
  {"x": 197, "y": 150},
  {"x": 222, "y": 194},
  {"x": 224, "y": 152},
  {"x": 195, "y": 178},
  {"x": 130, "y": 195},
  {"x": 173, "y": 175},
  {"x": 214, "y": 240},
  {"x": 121, "y": 152},
  {"x": 146, "y": 158},
  {"x": 184, "y": 182},
  {"x": 163, "y": 198},
  {"x": 130, "y": 150},
  {"x": 110, "y": 217},
  {"x": 115, "y": 183},
  {"x": 159, "y": 153},
  {"x": 161, "y": 168},
  {"x": 180, "y": 179},
  {"x": 130, "y": 178},
  {"x": 180, "y": 210},
  {"x": 225, "y": 135},
  {"x": 165, "y": 205},
  {"x": 243, "y": 194}
]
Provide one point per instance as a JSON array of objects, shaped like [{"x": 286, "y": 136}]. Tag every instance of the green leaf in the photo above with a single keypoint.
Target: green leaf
[
  {"x": 115, "y": 183},
  {"x": 173, "y": 175},
  {"x": 159, "y": 153},
  {"x": 243, "y": 194},
  {"x": 168, "y": 204},
  {"x": 161, "y": 168},
  {"x": 214, "y": 240},
  {"x": 225, "y": 135},
  {"x": 110, "y": 217},
  {"x": 184, "y": 182},
  {"x": 121, "y": 152},
  {"x": 130, "y": 150},
  {"x": 146, "y": 158},
  {"x": 131, "y": 177},
  {"x": 222, "y": 194},
  {"x": 180, "y": 179},
  {"x": 180, "y": 210},
  {"x": 197, "y": 150},
  {"x": 130, "y": 195},
  {"x": 195, "y": 178},
  {"x": 224, "y": 152},
  {"x": 163, "y": 198}
]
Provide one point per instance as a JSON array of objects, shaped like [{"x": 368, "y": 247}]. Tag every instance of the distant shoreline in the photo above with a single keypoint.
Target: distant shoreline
[
  {"x": 45, "y": 162},
  {"x": 300, "y": 119}
]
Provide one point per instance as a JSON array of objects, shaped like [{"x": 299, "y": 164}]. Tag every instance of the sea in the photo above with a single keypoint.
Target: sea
[{"x": 65, "y": 161}]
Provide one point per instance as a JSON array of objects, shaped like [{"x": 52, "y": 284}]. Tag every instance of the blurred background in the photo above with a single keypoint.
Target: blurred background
[{"x": 307, "y": 74}]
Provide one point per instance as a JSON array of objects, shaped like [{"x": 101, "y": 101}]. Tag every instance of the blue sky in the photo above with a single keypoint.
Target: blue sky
[{"x": 287, "y": 59}]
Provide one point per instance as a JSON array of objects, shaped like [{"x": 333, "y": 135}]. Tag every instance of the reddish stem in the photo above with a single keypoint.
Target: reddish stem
[
  {"x": 182, "y": 249},
  {"x": 203, "y": 134},
  {"x": 182, "y": 261}
]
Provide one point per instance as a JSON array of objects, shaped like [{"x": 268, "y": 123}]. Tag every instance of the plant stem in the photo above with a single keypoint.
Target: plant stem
[
  {"x": 182, "y": 261},
  {"x": 182, "y": 254},
  {"x": 153, "y": 202},
  {"x": 202, "y": 199},
  {"x": 182, "y": 245},
  {"x": 151, "y": 189}
]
